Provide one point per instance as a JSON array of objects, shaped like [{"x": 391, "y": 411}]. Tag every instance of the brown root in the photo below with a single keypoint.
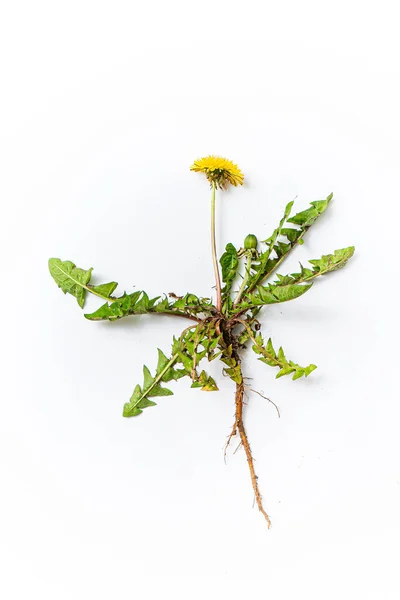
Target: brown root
[
  {"x": 239, "y": 426},
  {"x": 231, "y": 341},
  {"x": 269, "y": 400},
  {"x": 230, "y": 436}
]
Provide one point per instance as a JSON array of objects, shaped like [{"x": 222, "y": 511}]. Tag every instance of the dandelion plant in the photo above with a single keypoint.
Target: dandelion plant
[{"x": 220, "y": 329}]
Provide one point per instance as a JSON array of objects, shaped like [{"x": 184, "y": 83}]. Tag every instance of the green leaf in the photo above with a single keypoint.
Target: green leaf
[
  {"x": 70, "y": 279},
  {"x": 191, "y": 304},
  {"x": 106, "y": 311},
  {"x": 142, "y": 306},
  {"x": 147, "y": 378},
  {"x": 268, "y": 355},
  {"x": 332, "y": 262},
  {"x": 151, "y": 386},
  {"x": 307, "y": 217},
  {"x": 277, "y": 249},
  {"x": 118, "y": 308},
  {"x": 157, "y": 390},
  {"x": 277, "y": 232},
  {"x": 235, "y": 373},
  {"x": 291, "y": 234},
  {"x": 233, "y": 369},
  {"x": 229, "y": 265},
  {"x": 273, "y": 294},
  {"x": 284, "y": 371},
  {"x": 171, "y": 373},
  {"x": 205, "y": 382},
  {"x": 134, "y": 407},
  {"x": 229, "y": 262},
  {"x": 137, "y": 303},
  {"x": 75, "y": 281},
  {"x": 309, "y": 369},
  {"x": 269, "y": 347},
  {"x": 162, "y": 361},
  {"x": 104, "y": 289},
  {"x": 322, "y": 266},
  {"x": 162, "y": 306}
]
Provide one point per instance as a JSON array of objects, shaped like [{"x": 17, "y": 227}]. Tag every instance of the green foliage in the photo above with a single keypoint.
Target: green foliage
[
  {"x": 322, "y": 266},
  {"x": 104, "y": 289},
  {"x": 70, "y": 278},
  {"x": 272, "y": 294},
  {"x": 221, "y": 330},
  {"x": 205, "y": 382},
  {"x": 214, "y": 333},
  {"x": 277, "y": 249},
  {"x": 188, "y": 351},
  {"x": 273, "y": 359},
  {"x": 75, "y": 281},
  {"x": 229, "y": 265},
  {"x": 233, "y": 369},
  {"x": 189, "y": 303},
  {"x": 139, "y": 303},
  {"x": 152, "y": 385}
]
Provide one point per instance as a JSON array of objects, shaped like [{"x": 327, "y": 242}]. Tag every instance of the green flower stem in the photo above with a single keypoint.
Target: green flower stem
[
  {"x": 214, "y": 249},
  {"x": 245, "y": 278}
]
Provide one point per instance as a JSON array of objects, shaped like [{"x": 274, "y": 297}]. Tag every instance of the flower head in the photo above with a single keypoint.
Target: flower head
[{"x": 218, "y": 170}]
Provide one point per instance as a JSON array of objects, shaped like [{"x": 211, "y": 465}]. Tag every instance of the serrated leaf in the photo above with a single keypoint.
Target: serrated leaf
[
  {"x": 131, "y": 408},
  {"x": 130, "y": 411},
  {"x": 229, "y": 266},
  {"x": 235, "y": 373},
  {"x": 117, "y": 309},
  {"x": 321, "y": 266},
  {"x": 145, "y": 402},
  {"x": 290, "y": 233},
  {"x": 268, "y": 261},
  {"x": 298, "y": 373},
  {"x": 284, "y": 371},
  {"x": 268, "y": 356},
  {"x": 147, "y": 378},
  {"x": 309, "y": 369},
  {"x": 152, "y": 385},
  {"x": 281, "y": 356},
  {"x": 104, "y": 312},
  {"x": 268, "y": 361},
  {"x": 288, "y": 292},
  {"x": 157, "y": 390},
  {"x": 307, "y": 217},
  {"x": 105, "y": 289},
  {"x": 281, "y": 249},
  {"x": 186, "y": 361},
  {"x": 70, "y": 278},
  {"x": 142, "y": 305},
  {"x": 273, "y": 294},
  {"x": 128, "y": 304},
  {"x": 229, "y": 262},
  {"x": 162, "y": 305},
  {"x": 332, "y": 262},
  {"x": 270, "y": 348},
  {"x": 205, "y": 382},
  {"x": 162, "y": 361}
]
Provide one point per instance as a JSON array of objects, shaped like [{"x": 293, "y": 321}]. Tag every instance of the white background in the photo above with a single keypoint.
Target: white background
[{"x": 104, "y": 106}]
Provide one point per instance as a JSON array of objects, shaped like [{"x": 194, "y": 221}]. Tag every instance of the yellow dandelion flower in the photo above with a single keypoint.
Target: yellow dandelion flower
[{"x": 219, "y": 171}]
